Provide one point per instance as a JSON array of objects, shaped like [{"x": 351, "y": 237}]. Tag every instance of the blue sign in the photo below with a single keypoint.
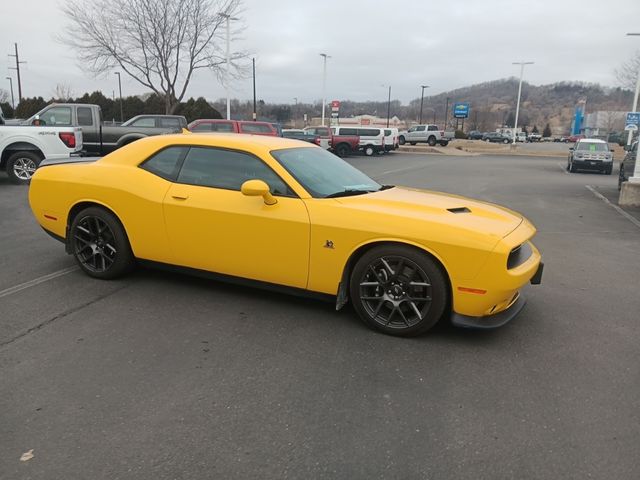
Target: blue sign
[
  {"x": 633, "y": 121},
  {"x": 461, "y": 110}
]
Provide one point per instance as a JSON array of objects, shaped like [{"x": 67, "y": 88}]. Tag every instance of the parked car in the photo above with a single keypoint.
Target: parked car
[
  {"x": 628, "y": 165},
  {"x": 430, "y": 134},
  {"x": 496, "y": 137},
  {"x": 97, "y": 139},
  {"x": 475, "y": 135},
  {"x": 301, "y": 135},
  {"x": 534, "y": 137},
  {"x": 617, "y": 137},
  {"x": 391, "y": 139},
  {"x": 233, "y": 126},
  {"x": 370, "y": 139},
  {"x": 574, "y": 138},
  {"x": 590, "y": 154},
  {"x": 22, "y": 148},
  {"x": 266, "y": 211},
  {"x": 157, "y": 121},
  {"x": 339, "y": 143}
]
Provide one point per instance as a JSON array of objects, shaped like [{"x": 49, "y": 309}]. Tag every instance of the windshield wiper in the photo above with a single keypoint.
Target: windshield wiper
[{"x": 348, "y": 193}]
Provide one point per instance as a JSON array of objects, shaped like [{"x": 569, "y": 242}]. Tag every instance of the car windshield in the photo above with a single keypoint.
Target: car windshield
[
  {"x": 592, "y": 147},
  {"x": 323, "y": 174}
]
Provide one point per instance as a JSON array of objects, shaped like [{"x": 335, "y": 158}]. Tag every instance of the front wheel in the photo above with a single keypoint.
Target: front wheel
[
  {"x": 572, "y": 169},
  {"x": 505, "y": 141},
  {"x": 607, "y": 171},
  {"x": 412, "y": 143},
  {"x": 100, "y": 244},
  {"x": 21, "y": 166},
  {"x": 398, "y": 290},
  {"x": 444, "y": 143},
  {"x": 401, "y": 140}
]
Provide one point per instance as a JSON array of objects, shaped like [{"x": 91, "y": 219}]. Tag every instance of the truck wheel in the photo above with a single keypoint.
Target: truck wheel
[
  {"x": 505, "y": 141},
  {"x": 432, "y": 141},
  {"x": 412, "y": 143},
  {"x": 342, "y": 150},
  {"x": 21, "y": 166},
  {"x": 401, "y": 140},
  {"x": 444, "y": 143},
  {"x": 369, "y": 150}
]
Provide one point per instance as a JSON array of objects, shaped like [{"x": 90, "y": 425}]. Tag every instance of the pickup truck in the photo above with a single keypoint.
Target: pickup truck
[
  {"x": 430, "y": 134},
  {"x": 22, "y": 148},
  {"x": 233, "y": 126},
  {"x": 98, "y": 139},
  {"x": 341, "y": 145}
]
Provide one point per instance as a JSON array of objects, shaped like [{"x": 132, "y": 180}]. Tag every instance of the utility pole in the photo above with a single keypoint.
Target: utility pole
[
  {"x": 389, "y": 106},
  {"x": 13, "y": 103},
  {"x": 422, "y": 102},
  {"x": 17, "y": 69},
  {"x": 515, "y": 123},
  {"x": 324, "y": 83},
  {"x": 446, "y": 114},
  {"x": 228, "y": 71},
  {"x": 120, "y": 89},
  {"x": 295, "y": 111},
  {"x": 255, "y": 111}
]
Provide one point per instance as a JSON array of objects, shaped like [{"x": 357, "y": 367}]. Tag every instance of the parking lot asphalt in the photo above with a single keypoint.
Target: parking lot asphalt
[{"x": 163, "y": 376}]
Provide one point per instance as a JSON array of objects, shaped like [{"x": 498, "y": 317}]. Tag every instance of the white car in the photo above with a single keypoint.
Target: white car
[
  {"x": 372, "y": 139},
  {"x": 22, "y": 148}
]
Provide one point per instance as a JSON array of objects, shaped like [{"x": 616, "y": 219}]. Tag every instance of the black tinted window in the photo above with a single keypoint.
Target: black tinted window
[
  {"x": 348, "y": 131},
  {"x": 255, "y": 128},
  {"x": 165, "y": 163},
  {"x": 368, "y": 132},
  {"x": 84, "y": 117},
  {"x": 212, "y": 167},
  {"x": 420, "y": 128},
  {"x": 432, "y": 128},
  {"x": 201, "y": 127},
  {"x": 144, "y": 122},
  {"x": 222, "y": 127},
  {"x": 169, "y": 122}
]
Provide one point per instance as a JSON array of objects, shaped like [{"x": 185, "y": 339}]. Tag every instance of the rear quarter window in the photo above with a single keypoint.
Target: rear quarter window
[
  {"x": 255, "y": 128},
  {"x": 166, "y": 163}
]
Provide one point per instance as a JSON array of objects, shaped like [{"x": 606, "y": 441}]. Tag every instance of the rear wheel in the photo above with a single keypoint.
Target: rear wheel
[
  {"x": 100, "y": 244},
  {"x": 342, "y": 150},
  {"x": 444, "y": 143},
  {"x": 401, "y": 140},
  {"x": 412, "y": 143},
  {"x": 21, "y": 166},
  {"x": 398, "y": 290},
  {"x": 505, "y": 141},
  {"x": 369, "y": 150},
  {"x": 432, "y": 141}
]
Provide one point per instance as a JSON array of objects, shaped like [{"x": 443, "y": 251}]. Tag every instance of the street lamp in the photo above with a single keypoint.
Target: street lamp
[
  {"x": 636, "y": 171},
  {"x": 388, "y": 105},
  {"x": 515, "y": 125},
  {"x": 324, "y": 83},
  {"x": 120, "y": 90},
  {"x": 228, "y": 71},
  {"x": 13, "y": 103},
  {"x": 422, "y": 102},
  {"x": 295, "y": 111}
]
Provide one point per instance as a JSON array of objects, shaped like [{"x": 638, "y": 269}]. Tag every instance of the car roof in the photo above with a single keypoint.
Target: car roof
[{"x": 591, "y": 140}]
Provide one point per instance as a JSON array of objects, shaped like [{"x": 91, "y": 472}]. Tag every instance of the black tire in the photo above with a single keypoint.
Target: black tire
[
  {"x": 444, "y": 143},
  {"x": 505, "y": 141},
  {"x": 400, "y": 311},
  {"x": 620, "y": 177},
  {"x": 342, "y": 150},
  {"x": 100, "y": 244},
  {"x": 608, "y": 170},
  {"x": 432, "y": 141},
  {"x": 369, "y": 150},
  {"x": 572, "y": 169},
  {"x": 21, "y": 166},
  {"x": 401, "y": 140},
  {"x": 412, "y": 143}
]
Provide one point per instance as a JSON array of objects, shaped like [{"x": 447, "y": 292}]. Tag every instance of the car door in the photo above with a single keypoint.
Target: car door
[{"x": 212, "y": 226}]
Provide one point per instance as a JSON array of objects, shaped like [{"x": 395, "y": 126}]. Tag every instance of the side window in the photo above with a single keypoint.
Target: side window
[
  {"x": 255, "y": 128},
  {"x": 222, "y": 127},
  {"x": 57, "y": 116},
  {"x": 387, "y": 133},
  {"x": 144, "y": 122},
  {"x": 85, "y": 118},
  {"x": 165, "y": 163},
  {"x": 412, "y": 129},
  {"x": 433, "y": 128},
  {"x": 169, "y": 122},
  {"x": 348, "y": 131},
  {"x": 420, "y": 128},
  {"x": 212, "y": 167},
  {"x": 201, "y": 127}
]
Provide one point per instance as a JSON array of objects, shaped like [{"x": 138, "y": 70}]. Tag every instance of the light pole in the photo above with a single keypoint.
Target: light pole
[
  {"x": 13, "y": 103},
  {"x": 422, "y": 102},
  {"x": 388, "y": 105},
  {"x": 228, "y": 71},
  {"x": 324, "y": 83},
  {"x": 515, "y": 124},
  {"x": 120, "y": 90},
  {"x": 636, "y": 171},
  {"x": 295, "y": 111},
  {"x": 446, "y": 114},
  {"x": 255, "y": 111}
]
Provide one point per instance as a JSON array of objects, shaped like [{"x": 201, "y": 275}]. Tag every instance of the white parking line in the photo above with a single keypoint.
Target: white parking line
[
  {"x": 564, "y": 169},
  {"x": 37, "y": 281},
  {"x": 631, "y": 218}
]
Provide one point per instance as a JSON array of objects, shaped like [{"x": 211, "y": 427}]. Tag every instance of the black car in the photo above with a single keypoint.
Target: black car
[
  {"x": 496, "y": 137},
  {"x": 301, "y": 135},
  {"x": 628, "y": 165},
  {"x": 475, "y": 135},
  {"x": 590, "y": 154}
]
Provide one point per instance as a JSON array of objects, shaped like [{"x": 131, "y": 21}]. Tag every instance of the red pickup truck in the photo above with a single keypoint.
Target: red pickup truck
[
  {"x": 233, "y": 126},
  {"x": 341, "y": 145}
]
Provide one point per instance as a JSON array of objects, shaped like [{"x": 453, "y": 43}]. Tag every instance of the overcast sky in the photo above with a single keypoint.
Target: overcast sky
[{"x": 400, "y": 43}]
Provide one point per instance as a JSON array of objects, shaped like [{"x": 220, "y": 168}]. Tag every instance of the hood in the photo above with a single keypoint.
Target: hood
[{"x": 443, "y": 208}]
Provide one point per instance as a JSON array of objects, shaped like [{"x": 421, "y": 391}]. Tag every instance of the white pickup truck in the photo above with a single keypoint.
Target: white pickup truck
[
  {"x": 22, "y": 148},
  {"x": 430, "y": 134}
]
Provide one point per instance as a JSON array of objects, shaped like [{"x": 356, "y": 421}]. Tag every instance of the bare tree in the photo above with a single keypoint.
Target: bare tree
[
  {"x": 627, "y": 73},
  {"x": 159, "y": 43},
  {"x": 63, "y": 91},
  {"x": 4, "y": 96}
]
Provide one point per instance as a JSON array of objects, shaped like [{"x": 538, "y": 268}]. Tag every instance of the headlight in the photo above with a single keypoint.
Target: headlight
[{"x": 578, "y": 155}]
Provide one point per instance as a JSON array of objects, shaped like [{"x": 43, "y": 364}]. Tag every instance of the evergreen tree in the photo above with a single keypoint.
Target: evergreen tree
[
  {"x": 547, "y": 131},
  {"x": 535, "y": 129}
]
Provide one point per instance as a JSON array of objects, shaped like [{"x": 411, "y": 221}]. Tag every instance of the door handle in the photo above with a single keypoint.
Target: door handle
[{"x": 180, "y": 197}]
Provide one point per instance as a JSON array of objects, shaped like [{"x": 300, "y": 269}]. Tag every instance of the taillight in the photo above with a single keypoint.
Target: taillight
[
  {"x": 317, "y": 141},
  {"x": 68, "y": 138}
]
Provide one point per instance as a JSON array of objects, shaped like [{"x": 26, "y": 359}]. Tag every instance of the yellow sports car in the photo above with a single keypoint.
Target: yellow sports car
[{"x": 286, "y": 214}]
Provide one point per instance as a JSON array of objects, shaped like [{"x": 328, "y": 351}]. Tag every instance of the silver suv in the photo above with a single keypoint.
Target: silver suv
[{"x": 590, "y": 154}]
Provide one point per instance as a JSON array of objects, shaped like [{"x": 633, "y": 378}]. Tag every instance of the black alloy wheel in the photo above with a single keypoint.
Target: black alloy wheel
[
  {"x": 100, "y": 245},
  {"x": 398, "y": 290}
]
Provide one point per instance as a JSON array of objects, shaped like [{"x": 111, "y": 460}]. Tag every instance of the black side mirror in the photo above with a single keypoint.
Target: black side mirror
[{"x": 571, "y": 149}]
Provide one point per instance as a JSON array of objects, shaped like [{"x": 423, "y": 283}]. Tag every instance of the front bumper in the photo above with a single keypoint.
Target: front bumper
[
  {"x": 598, "y": 165},
  {"x": 490, "y": 321}
]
